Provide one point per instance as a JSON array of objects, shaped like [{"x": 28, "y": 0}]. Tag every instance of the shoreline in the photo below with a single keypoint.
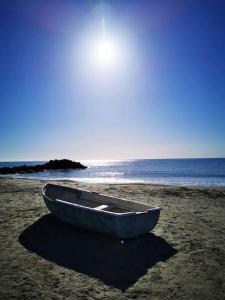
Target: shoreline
[
  {"x": 43, "y": 258},
  {"x": 114, "y": 183}
]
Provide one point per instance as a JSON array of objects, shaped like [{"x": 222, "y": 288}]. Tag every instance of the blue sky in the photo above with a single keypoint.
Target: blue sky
[{"x": 162, "y": 96}]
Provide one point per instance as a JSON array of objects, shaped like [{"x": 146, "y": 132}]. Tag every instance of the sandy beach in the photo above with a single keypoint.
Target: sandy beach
[{"x": 43, "y": 258}]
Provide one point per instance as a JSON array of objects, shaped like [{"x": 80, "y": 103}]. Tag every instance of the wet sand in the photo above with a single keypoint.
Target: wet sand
[{"x": 43, "y": 258}]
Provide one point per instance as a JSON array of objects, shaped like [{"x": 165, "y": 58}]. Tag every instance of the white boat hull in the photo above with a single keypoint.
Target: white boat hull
[{"x": 67, "y": 205}]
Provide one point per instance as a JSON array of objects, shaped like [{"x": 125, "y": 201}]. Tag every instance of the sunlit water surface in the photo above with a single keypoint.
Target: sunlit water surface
[{"x": 185, "y": 172}]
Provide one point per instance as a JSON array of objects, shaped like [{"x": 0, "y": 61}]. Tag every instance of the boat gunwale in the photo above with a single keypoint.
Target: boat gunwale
[
  {"x": 153, "y": 208},
  {"x": 94, "y": 209}
]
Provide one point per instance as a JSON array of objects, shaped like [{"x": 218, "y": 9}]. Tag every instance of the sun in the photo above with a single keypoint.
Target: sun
[{"x": 105, "y": 52}]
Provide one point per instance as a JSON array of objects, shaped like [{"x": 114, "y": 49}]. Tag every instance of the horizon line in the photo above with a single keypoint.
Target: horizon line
[{"x": 119, "y": 159}]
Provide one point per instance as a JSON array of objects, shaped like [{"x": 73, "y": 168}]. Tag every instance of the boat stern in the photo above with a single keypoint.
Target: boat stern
[{"x": 136, "y": 224}]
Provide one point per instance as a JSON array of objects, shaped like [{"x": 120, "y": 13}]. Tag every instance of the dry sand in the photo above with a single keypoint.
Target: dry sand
[{"x": 43, "y": 258}]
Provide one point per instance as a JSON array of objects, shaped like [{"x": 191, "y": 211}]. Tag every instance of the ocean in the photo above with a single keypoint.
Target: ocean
[{"x": 182, "y": 172}]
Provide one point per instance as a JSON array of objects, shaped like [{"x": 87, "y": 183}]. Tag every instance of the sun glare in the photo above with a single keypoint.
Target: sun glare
[{"x": 106, "y": 52}]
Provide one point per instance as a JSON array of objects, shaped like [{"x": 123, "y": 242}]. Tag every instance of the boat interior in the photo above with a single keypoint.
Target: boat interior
[{"x": 93, "y": 200}]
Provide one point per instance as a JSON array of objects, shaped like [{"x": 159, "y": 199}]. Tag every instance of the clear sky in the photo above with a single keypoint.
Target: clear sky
[{"x": 160, "y": 93}]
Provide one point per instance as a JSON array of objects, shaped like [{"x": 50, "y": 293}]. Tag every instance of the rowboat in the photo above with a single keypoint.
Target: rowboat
[{"x": 113, "y": 216}]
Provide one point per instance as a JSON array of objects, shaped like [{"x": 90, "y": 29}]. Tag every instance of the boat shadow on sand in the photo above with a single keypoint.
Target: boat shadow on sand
[{"x": 116, "y": 264}]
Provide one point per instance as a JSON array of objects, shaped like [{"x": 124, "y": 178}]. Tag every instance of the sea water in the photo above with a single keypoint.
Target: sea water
[{"x": 182, "y": 172}]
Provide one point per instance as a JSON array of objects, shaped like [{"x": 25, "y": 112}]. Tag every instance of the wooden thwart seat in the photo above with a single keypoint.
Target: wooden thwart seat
[{"x": 101, "y": 207}]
